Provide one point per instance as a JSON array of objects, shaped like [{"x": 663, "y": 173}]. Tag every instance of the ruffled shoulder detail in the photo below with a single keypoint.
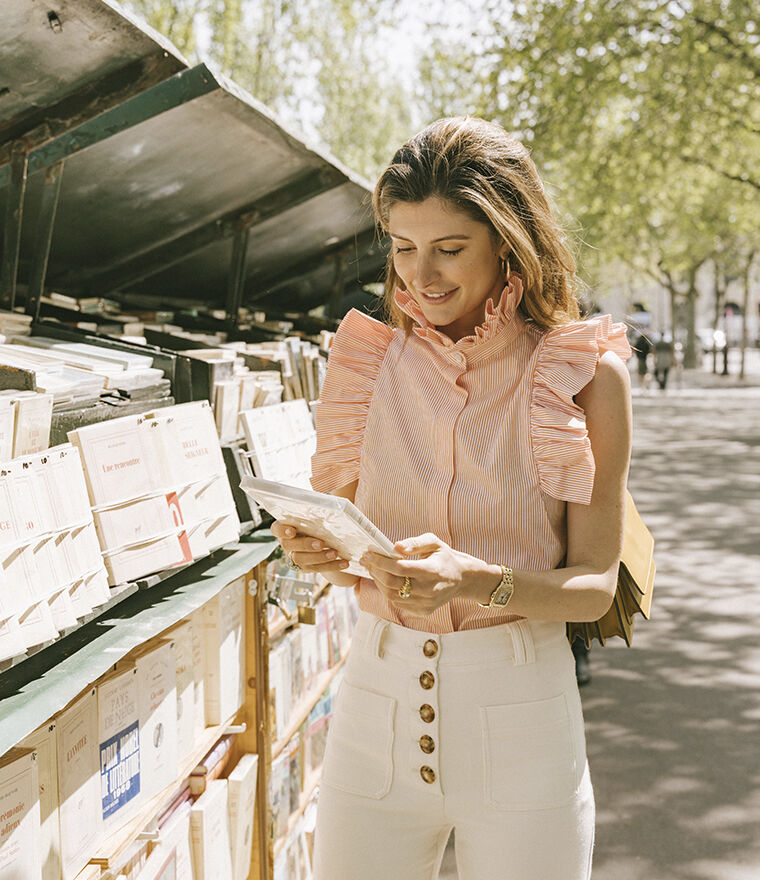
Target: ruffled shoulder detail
[
  {"x": 565, "y": 364},
  {"x": 356, "y": 354}
]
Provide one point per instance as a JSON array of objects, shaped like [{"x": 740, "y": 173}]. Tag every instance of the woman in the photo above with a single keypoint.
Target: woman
[{"x": 488, "y": 434}]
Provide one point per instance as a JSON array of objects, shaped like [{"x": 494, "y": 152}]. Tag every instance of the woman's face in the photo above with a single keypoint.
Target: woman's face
[{"x": 448, "y": 262}]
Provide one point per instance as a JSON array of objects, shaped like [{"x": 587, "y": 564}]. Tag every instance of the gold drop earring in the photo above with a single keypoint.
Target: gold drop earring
[{"x": 505, "y": 268}]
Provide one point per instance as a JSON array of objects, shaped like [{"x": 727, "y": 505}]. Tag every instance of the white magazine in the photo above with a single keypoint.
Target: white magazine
[{"x": 336, "y": 521}]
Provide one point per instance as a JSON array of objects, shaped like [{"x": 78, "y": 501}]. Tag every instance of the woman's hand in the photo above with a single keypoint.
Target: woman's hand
[
  {"x": 434, "y": 579},
  {"x": 311, "y": 554}
]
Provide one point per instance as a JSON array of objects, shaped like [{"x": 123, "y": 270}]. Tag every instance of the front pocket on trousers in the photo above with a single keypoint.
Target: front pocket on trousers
[
  {"x": 531, "y": 755},
  {"x": 359, "y": 754}
]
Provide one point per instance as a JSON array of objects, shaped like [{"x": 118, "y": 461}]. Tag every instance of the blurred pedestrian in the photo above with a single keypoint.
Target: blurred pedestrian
[
  {"x": 663, "y": 360},
  {"x": 582, "y": 666},
  {"x": 642, "y": 349}
]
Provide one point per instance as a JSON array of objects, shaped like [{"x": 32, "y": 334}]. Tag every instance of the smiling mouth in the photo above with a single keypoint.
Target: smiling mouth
[{"x": 437, "y": 297}]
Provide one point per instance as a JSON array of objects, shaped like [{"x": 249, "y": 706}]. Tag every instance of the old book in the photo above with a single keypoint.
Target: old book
[
  {"x": 175, "y": 834},
  {"x": 210, "y": 835},
  {"x": 19, "y": 816},
  {"x": 224, "y": 651},
  {"x": 138, "y": 520},
  {"x": 79, "y": 810},
  {"x": 183, "y": 642},
  {"x": 37, "y": 625},
  {"x": 117, "y": 462},
  {"x": 279, "y": 794},
  {"x": 199, "y": 673},
  {"x": 12, "y": 642},
  {"x": 157, "y": 702},
  {"x": 226, "y": 401},
  {"x": 280, "y": 703},
  {"x": 34, "y": 412},
  {"x": 119, "y": 747},
  {"x": 140, "y": 559},
  {"x": 281, "y": 441},
  {"x": 338, "y": 522},
  {"x": 7, "y": 427},
  {"x": 213, "y": 766},
  {"x": 241, "y": 803},
  {"x": 43, "y": 741},
  {"x": 295, "y": 643}
]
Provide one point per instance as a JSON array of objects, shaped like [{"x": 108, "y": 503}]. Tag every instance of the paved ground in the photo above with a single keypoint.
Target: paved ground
[{"x": 673, "y": 724}]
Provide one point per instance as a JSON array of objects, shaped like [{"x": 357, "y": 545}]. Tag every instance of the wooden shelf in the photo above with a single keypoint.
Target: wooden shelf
[
  {"x": 113, "y": 846},
  {"x": 308, "y": 790},
  {"x": 307, "y": 704}
]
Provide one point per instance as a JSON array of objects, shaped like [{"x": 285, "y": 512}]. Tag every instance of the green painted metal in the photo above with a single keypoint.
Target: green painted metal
[
  {"x": 45, "y": 222},
  {"x": 351, "y": 248},
  {"x": 236, "y": 279},
  {"x": 178, "y": 89},
  {"x": 292, "y": 194},
  {"x": 41, "y": 686},
  {"x": 13, "y": 217}
]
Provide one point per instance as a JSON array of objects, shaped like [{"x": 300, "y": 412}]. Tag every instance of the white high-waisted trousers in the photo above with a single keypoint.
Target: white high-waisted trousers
[{"x": 480, "y": 731}]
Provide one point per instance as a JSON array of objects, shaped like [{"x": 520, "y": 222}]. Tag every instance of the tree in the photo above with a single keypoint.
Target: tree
[{"x": 642, "y": 115}]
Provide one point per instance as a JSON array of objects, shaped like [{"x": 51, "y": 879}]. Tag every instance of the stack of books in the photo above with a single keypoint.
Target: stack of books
[
  {"x": 50, "y": 559},
  {"x": 281, "y": 441},
  {"x": 158, "y": 488}
]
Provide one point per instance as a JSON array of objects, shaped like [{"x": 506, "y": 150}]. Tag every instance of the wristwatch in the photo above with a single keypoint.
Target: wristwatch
[{"x": 503, "y": 592}]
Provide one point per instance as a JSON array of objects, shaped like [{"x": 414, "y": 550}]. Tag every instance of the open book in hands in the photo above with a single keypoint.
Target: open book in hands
[{"x": 336, "y": 521}]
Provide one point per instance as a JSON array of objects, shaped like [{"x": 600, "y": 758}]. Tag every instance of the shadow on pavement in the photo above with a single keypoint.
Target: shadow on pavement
[{"x": 673, "y": 724}]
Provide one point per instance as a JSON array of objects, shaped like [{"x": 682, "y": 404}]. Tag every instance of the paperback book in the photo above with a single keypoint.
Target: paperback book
[{"x": 336, "y": 521}]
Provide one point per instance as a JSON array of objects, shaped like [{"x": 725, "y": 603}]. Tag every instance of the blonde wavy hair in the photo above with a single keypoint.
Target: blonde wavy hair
[{"x": 483, "y": 170}]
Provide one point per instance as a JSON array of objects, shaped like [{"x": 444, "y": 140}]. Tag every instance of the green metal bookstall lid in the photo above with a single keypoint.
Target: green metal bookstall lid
[{"x": 176, "y": 184}]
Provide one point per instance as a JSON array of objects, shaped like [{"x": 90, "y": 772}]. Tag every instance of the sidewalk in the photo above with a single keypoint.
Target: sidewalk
[{"x": 673, "y": 724}]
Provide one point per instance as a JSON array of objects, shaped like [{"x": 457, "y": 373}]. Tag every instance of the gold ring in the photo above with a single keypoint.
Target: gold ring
[
  {"x": 406, "y": 589},
  {"x": 291, "y": 563}
]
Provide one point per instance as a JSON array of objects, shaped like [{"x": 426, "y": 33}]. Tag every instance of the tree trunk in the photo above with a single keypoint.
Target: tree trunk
[
  {"x": 720, "y": 296},
  {"x": 745, "y": 310},
  {"x": 690, "y": 354}
]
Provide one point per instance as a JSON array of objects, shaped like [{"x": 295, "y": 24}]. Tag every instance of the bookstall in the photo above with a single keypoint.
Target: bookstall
[{"x": 165, "y": 680}]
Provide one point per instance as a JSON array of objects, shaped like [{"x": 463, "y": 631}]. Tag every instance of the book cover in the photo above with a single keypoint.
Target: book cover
[
  {"x": 210, "y": 835},
  {"x": 117, "y": 464},
  {"x": 43, "y": 741},
  {"x": 12, "y": 642},
  {"x": 7, "y": 426},
  {"x": 134, "y": 521},
  {"x": 157, "y": 711},
  {"x": 33, "y": 417},
  {"x": 338, "y": 522},
  {"x": 190, "y": 442},
  {"x": 279, "y": 689},
  {"x": 19, "y": 816},
  {"x": 213, "y": 766},
  {"x": 79, "y": 810},
  {"x": 119, "y": 747},
  {"x": 279, "y": 794},
  {"x": 37, "y": 625},
  {"x": 224, "y": 641},
  {"x": 175, "y": 834},
  {"x": 199, "y": 673},
  {"x": 295, "y": 641},
  {"x": 241, "y": 802},
  {"x": 155, "y": 554},
  {"x": 183, "y": 642}
]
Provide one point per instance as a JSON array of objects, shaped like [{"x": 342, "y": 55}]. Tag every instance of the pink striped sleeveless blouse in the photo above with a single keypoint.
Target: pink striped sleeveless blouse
[{"x": 479, "y": 441}]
